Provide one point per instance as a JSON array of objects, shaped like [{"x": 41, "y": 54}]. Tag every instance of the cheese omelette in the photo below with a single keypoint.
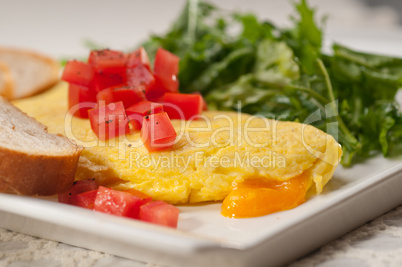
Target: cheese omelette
[{"x": 212, "y": 154}]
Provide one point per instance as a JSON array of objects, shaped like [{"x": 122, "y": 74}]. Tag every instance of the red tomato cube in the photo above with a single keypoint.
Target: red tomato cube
[
  {"x": 78, "y": 72},
  {"x": 138, "y": 57},
  {"x": 137, "y": 111},
  {"x": 154, "y": 95},
  {"x": 166, "y": 69},
  {"x": 127, "y": 94},
  {"x": 103, "y": 80},
  {"x": 138, "y": 194},
  {"x": 204, "y": 103},
  {"x": 157, "y": 132},
  {"x": 107, "y": 60},
  {"x": 84, "y": 200},
  {"x": 78, "y": 187},
  {"x": 110, "y": 68},
  {"x": 159, "y": 212},
  {"x": 109, "y": 121},
  {"x": 80, "y": 100},
  {"x": 105, "y": 97},
  {"x": 146, "y": 108},
  {"x": 118, "y": 203},
  {"x": 140, "y": 76},
  {"x": 183, "y": 106}
]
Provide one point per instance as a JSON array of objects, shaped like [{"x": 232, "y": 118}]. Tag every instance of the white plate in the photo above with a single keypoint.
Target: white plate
[{"x": 205, "y": 238}]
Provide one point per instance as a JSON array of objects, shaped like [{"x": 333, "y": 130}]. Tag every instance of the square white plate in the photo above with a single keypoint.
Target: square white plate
[{"x": 205, "y": 238}]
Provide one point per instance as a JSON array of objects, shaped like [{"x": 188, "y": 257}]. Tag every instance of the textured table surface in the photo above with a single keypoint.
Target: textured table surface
[{"x": 58, "y": 28}]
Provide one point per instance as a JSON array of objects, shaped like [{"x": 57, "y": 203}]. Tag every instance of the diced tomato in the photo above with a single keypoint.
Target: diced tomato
[
  {"x": 84, "y": 200},
  {"x": 137, "y": 193},
  {"x": 80, "y": 100},
  {"x": 183, "y": 106},
  {"x": 103, "y": 80},
  {"x": 157, "y": 132},
  {"x": 127, "y": 94},
  {"x": 154, "y": 95},
  {"x": 204, "y": 103},
  {"x": 78, "y": 187},
  {"x": 107, "y": 60},
  {"x": 140, "y": 76},
  {"x": 135, "y": 120},
  {"x": 78, "y": 72},
  {"x": 105, "y": 97},
  {"x": 137, "y": 111},
  {"x": 138, "y": 57},
  {"x": 146, "y": 108},
  {"x": 161, "y": 213},
  {"x": 109, "y": 121},
  {"x": 118, "y": 203},
  {"x": 112, "y": 77},
  {"x": 110, "y": 68},
  {"x": 166, "y": 69}
]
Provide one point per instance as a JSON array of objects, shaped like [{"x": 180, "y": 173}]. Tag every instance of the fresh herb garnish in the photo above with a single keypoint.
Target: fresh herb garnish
[{"x": 283, "y": 74}]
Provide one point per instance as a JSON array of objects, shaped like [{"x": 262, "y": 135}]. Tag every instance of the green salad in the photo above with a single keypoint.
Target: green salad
[{"x": 233, "y": 58}]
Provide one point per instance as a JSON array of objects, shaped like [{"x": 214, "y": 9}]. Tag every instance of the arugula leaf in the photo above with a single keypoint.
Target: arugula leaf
[
  {"x": 273, "y": 70},
  {"x": 305, "y": 38}
]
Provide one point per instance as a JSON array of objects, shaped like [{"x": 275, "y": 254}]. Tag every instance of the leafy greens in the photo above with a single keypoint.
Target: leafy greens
[{"x": 283, "y": 74}]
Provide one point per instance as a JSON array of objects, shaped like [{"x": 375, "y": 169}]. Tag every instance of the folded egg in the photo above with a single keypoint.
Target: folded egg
[{"x": 212, "y": 156}]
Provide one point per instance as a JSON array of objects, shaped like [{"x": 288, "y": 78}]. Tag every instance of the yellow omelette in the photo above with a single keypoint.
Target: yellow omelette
[{"x": 212, "y": 155}]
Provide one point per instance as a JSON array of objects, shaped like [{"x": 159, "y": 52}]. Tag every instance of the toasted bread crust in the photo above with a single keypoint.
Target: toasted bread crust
[
  {"x": 37, "y": 171},
  {"x": 52, "y": 78},
  {"x": 42, "y": 175}
]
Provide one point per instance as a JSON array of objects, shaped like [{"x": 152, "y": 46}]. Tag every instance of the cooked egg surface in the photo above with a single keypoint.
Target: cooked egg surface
[{"x": 214, "y": 154}]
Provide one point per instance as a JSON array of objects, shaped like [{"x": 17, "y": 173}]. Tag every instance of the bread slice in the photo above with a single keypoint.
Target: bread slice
[
  {"x": 32, "y": 161},
  {"x": 6, "y": 81},
  {"x": 31, "y": 72}
]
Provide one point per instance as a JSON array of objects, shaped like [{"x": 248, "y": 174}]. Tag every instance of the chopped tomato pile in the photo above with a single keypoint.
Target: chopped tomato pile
[
  {"x": 130, "y": 203},
  {"x": 120, "y": 93}
]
